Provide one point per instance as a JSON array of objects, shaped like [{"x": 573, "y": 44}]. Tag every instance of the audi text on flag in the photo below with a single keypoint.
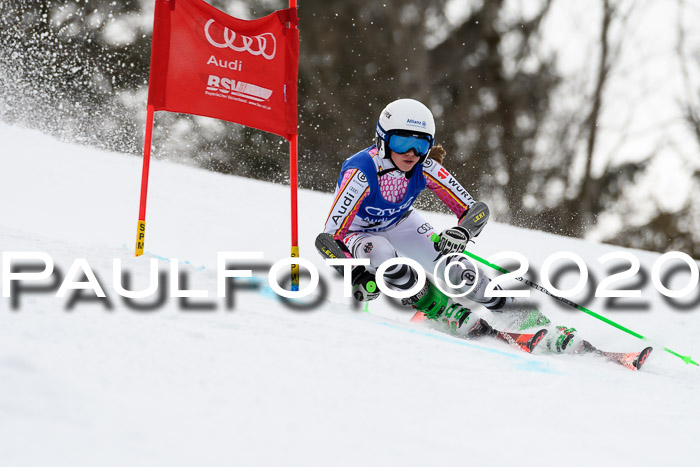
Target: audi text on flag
[{"x": 205, "y": 62}]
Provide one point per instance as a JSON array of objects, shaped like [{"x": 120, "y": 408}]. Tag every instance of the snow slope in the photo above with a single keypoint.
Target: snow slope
[{"x": 98, "y": 382}]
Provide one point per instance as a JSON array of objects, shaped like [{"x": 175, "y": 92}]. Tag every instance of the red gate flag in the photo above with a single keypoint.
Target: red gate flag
[{"x": 205, "y": 62}]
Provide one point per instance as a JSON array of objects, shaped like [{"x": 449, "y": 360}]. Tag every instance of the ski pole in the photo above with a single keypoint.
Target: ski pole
[{"x": 686, "y": 358}]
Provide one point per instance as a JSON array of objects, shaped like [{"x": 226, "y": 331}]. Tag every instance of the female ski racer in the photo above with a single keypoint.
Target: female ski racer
[{"x": 371, "y": 217}]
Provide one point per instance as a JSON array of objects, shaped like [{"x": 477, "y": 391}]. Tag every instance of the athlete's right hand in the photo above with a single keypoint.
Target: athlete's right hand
[{"x": 453, "y": 240}]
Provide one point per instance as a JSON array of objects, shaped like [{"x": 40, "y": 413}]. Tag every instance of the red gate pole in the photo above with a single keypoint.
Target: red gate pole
[
  {"x": 141, "y": 226},
  {"x": 295, "y": 225},
  {"x": 293, "y": 181}
]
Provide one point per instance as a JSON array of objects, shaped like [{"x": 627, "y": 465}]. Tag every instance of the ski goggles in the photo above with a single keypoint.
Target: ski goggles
[{"x": 401, "y": 143}]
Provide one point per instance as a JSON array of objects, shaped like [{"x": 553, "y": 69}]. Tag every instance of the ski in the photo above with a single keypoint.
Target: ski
[
  {"x": 525, "y": 342},
  {"x": 630, "y": 360},
  {"x": 522, "y": 341}
]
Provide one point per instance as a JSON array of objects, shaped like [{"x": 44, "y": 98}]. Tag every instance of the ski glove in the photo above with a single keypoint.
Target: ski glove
[
  {"x": 453, "y": 240},
  {"x": 474, "y": 219},
  {"x": 364, "y": 288},
  {"x": 471, "y": 224}
]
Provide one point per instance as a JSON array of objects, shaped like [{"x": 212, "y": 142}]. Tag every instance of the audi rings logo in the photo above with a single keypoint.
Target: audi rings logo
[
  {"x": 263, "y": 44},
  {"x": 424, "y": 229}
]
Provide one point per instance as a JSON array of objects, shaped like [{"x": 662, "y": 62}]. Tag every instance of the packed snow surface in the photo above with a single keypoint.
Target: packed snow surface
[{"x": 250, "y": 380}]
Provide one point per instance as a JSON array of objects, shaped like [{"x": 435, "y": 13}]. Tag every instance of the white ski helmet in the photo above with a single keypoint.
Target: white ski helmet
[{"x": 403, "y": 125}]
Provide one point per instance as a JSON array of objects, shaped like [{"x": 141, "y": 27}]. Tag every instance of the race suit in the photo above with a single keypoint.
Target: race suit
[{"x": 372, "y": 214}]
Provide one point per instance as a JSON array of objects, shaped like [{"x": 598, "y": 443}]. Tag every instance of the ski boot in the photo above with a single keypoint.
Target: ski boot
[
  {"x": 481, "y": 328},
  {"x": 531, "y": 318},
  {"x": 439, "y": 307},
  {"x": 560, "y": 340}
]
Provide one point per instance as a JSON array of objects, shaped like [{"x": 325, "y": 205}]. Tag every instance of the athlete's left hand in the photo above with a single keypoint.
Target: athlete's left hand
[
  {"x": 364, "y": 288},
  {"x": 453, "y": 240}
]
